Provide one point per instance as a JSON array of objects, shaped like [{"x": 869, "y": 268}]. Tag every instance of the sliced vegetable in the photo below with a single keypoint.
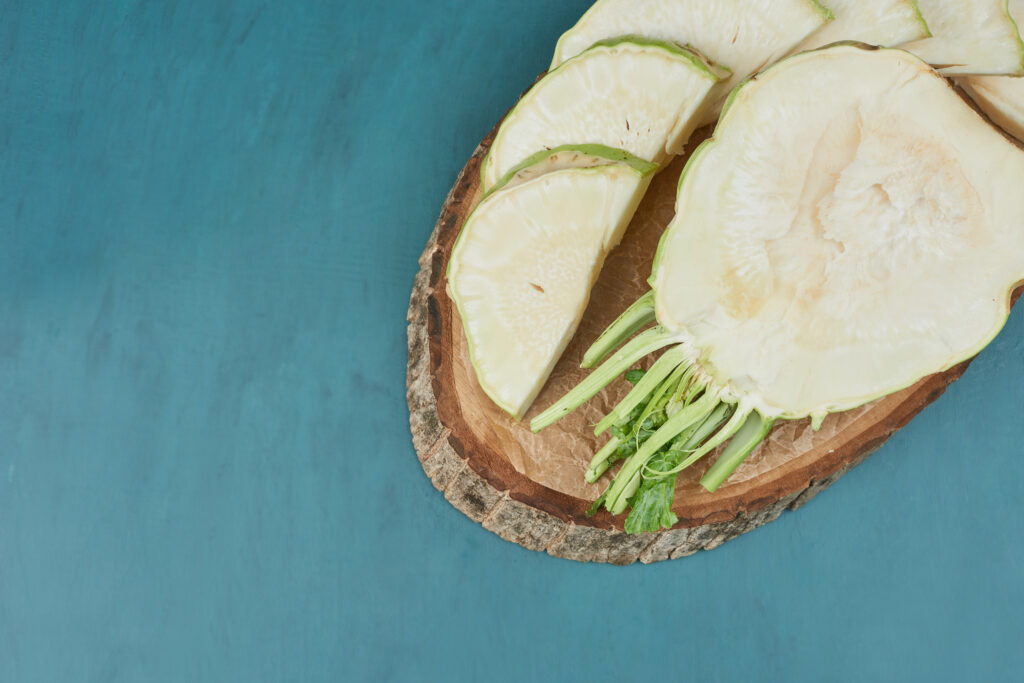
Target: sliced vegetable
[
  {"x": 632, "y": 94},
  {"x": 866, "y": 239},
  {"x": 851, "y": 227},
  {"x": 522, "y": 268},
  {"x": 1000, "y": 97},
  {"x": 875, "y": 22},
  {"x": 743, "y": 35},
  {"x": 970, "y": 37}
]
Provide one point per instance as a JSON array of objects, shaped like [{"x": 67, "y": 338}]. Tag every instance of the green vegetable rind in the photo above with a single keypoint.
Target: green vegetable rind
[
  {"x": 704, "y": 65},
  {"x": 1020, "y": 43},
  {"x": 920, "y": 17},
  {"x": 825, "y": 11},
  {"x": 644, "y": 168}
]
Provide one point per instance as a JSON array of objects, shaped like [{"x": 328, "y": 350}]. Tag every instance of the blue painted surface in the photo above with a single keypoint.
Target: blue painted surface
[{"x": 211, "y": 215}]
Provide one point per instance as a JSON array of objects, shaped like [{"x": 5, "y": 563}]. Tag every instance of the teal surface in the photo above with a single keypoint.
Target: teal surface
[{"x": 211, "y": 214}]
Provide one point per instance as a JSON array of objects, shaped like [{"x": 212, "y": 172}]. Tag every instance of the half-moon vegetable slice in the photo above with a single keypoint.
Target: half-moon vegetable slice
[
  {"x": 522, "y": 268},
  {"x": 875, "y": 22},
  {"x": 633, "y": 94},
  {"x": 743, "y": 35}
]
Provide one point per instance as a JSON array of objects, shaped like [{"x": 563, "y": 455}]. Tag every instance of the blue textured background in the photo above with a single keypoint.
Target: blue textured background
[{"x": 211, "y": 215}]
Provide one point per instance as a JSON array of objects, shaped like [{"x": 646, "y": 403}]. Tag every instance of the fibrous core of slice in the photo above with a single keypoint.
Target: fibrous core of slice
[{"x": 867, "y": 237}]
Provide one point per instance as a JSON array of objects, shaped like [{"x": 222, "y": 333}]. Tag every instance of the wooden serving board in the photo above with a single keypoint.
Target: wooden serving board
[{"x": 529, "y": 488}]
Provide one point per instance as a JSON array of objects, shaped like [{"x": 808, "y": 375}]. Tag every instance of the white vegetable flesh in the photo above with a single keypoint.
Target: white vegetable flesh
[
  {"x": 1001, "y": 97},
  {"x": 640, "y": 97},
  {"x": 970, "y": 37},
  {"x": 523, "y": 266},
  {"x": 875, "y": 22},
  {"x": 743, "y": 35},
  {"x": 851, "y": 227}
]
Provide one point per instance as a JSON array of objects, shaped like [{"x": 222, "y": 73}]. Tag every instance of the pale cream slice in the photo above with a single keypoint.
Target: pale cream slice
[
  {"x": 970, "y": 37},
  {"x": 743, "y": 35},
  {"x": 523, "y": 266},
  {"x": 875, "y": 22},
  {"x": 868, "y": 237},
  {"x": 636, "y": 95}
]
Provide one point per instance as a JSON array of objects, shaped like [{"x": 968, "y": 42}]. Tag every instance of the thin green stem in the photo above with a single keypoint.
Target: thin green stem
[
  {"x": 616, "y": 501},
  {"x": 645, "y": 343},
  {"x": 602, "y": 460},
  {"x": 631, "y": 487},
  {"x": 753, "y": 432},
  {"x": 661, "y": 369},
  {"x": 638, "y": 315},
  {"x": 659, "y": 399},
  {"x": 690, "y": 439},
  {"x": 706, "y": 428},
  {"x": 599, "y": 463},
  {"x": 724, "y": 434}
]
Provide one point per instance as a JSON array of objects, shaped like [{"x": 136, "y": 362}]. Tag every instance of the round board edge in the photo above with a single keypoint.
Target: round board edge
[{"x": 521, "y": 520}]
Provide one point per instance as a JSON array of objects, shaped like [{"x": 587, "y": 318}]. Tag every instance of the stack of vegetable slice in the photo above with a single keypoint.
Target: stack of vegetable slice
[
  {"x": 1000, "y": 97},
  {"x": 836, "y": 240},
  {"x": 638, "y": 94}
]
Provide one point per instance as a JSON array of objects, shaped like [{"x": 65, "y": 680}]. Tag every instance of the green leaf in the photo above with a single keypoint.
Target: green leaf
[
  {"x": 622, "y": 432},
  {"x": 652, "y": 504},
  {"x": 634, "y": 376}
]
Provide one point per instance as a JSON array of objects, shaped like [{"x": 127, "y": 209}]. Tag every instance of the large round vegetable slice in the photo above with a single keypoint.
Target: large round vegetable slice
[
  {"x": 852, "y": 226},
  {"x": 632, "y": 94},
  {"x": 1001, "y": 97},
  {"x": 867, "y": 239},
  {"x": 522, "y": 268},
  {"x": 970, "y": 37},
  {"x": 875, "y": 22},
  {"x": 743, "y": 35}
]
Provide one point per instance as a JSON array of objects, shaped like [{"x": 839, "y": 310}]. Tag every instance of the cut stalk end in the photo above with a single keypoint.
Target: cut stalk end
[
  {"x": 749, "y": 437},
  {"x": 601, "y": 461},
  {"x": 645, "y": 343},
  {"x": 638, "y": 315}
]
